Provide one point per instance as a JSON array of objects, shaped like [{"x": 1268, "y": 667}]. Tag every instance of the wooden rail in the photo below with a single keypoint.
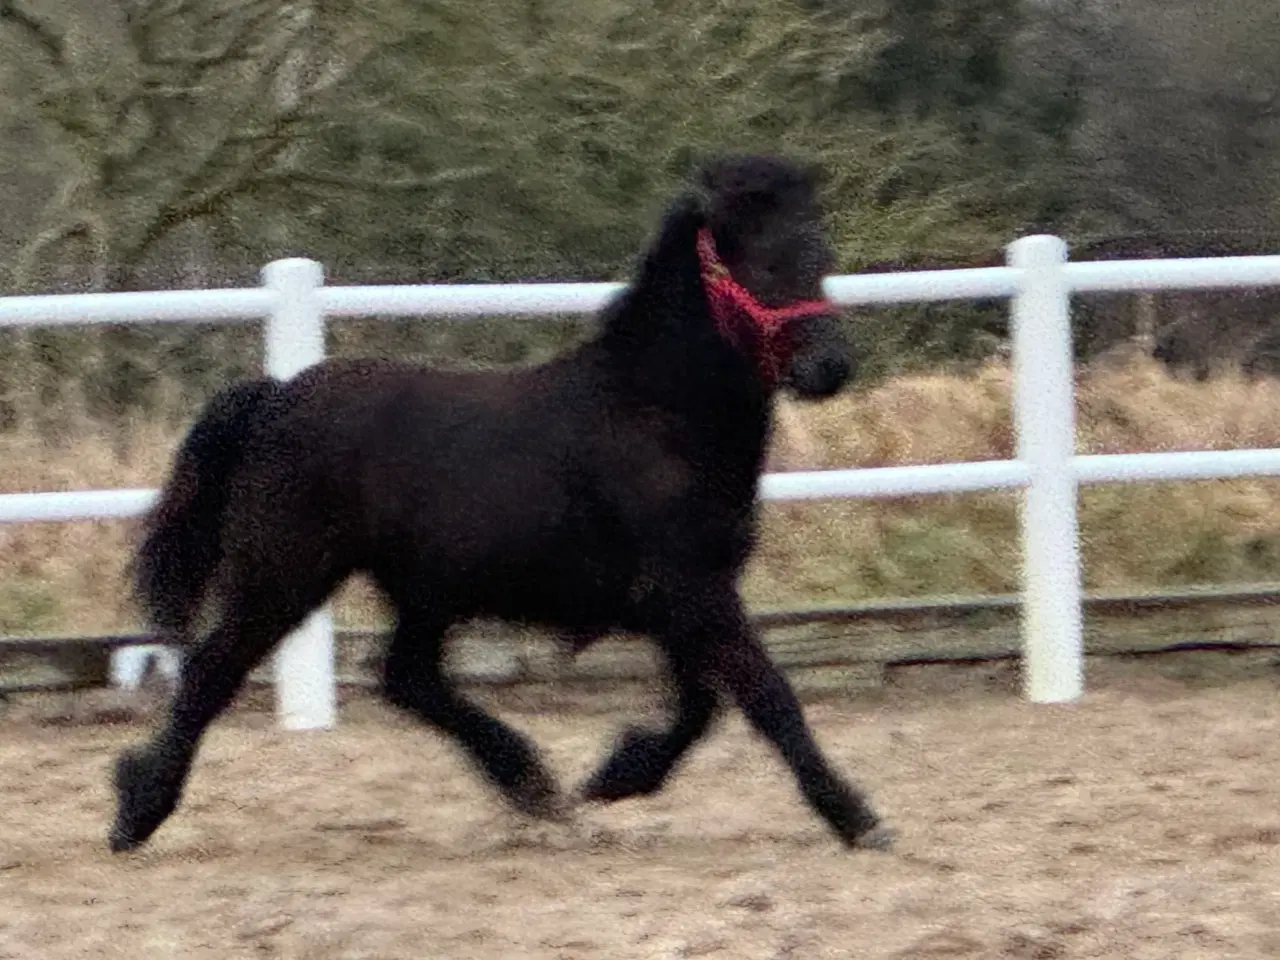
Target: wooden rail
[{"x": 822, "y": 648}]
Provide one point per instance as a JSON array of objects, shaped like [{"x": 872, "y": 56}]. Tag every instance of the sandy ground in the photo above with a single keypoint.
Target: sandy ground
[{"x": 1141, "y": 823}]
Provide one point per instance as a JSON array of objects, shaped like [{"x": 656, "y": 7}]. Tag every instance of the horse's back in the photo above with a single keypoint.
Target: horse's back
[
  {"x": 451, "y": 468},
  {"x": 537, "y": 492}
]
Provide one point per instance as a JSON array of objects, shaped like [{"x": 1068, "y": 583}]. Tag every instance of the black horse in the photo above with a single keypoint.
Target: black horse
[{"x": 612, "y": 488}]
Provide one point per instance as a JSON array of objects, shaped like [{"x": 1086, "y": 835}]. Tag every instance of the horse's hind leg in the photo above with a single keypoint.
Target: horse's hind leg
[
  {"x": 149, "y": 779},
  {"x": 413, "y": 680}
]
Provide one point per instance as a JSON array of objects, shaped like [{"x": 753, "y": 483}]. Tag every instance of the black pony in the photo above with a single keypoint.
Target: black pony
[{"x": 612, "y": 488}]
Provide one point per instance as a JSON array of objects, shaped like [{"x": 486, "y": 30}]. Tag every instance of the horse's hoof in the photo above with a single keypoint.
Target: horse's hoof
[
  {"x": 589, "y": 792},
  {"x": 880, "y": 838},
  {"x": 131, "y": 769},
  {"x": 598, "y": 790},
  {"x": 556, "y": 808},
  {"x": 146, "y": 794},
  {"x": 636, "y": 768},
  {"x": 538, "y": 798},
  {"x": 121, "y": 842}
]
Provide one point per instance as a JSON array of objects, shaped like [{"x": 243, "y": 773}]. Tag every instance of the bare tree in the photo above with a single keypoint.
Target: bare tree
[
  {"x": 168, "y": 109},
  {"x": 1184, "y": 113}
]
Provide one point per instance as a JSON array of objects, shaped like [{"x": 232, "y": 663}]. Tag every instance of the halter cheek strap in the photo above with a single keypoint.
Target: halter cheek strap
[{"x": 730, "y": 300}]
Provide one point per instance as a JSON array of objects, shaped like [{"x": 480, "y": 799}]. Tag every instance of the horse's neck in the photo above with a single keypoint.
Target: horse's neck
[
  {"x": 721, "y": 422},
  {"x": 659, "y": 345}
]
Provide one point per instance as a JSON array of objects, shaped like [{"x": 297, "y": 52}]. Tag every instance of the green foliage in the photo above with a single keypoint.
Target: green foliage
[
  {"x": 495, "y": 141},
  {"x": 584, "y": 139}
]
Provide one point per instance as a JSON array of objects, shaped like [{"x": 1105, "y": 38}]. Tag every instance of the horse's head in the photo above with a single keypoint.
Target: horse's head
[{"x": 764, "y": 252}]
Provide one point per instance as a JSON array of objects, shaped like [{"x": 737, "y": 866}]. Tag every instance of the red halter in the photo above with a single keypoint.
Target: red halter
[{"x": 730, "y": 300}]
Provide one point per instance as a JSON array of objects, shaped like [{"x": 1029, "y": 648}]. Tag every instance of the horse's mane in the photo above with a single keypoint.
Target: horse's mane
[{"x": 665, "y": 277}]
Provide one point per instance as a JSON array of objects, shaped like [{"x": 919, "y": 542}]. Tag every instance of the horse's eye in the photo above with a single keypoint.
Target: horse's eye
[{"x": 779, "y": 265}]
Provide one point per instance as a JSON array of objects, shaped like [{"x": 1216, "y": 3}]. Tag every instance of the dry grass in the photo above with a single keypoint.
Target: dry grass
[
  {"x": 1133, "y": 535},
  {"x": 67, "y": 577}
]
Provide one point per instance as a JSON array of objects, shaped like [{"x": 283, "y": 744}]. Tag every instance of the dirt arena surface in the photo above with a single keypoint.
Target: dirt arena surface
[{"x": 1141, "y": 823}]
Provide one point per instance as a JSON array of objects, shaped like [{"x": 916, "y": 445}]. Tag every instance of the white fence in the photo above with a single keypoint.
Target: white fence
[{"x": 1039, "y": 281}]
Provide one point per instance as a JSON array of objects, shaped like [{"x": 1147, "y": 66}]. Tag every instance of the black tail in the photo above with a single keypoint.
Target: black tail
[{"x": 183, "y": 535}]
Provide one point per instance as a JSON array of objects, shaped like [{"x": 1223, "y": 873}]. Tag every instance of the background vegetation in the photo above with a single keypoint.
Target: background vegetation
[
  {"x": 176, "y": 143},
  {"x": 67, "y": 576}
]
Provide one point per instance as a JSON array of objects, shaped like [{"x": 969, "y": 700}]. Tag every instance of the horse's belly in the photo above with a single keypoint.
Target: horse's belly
[{"x": 567, "y": 589}]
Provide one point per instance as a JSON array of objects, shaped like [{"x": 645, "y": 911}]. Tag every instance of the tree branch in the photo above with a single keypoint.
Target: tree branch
[
  {"x": 371, "y": 186},
  {"x": 48, "y": 39},
  {"x": 86, "y": 224},
  {"x": 157, "y": 149},
  {"x": 286, "y": 126},
  {"x": 142, "y": 22},
  {"x": 188, "y": 203}
]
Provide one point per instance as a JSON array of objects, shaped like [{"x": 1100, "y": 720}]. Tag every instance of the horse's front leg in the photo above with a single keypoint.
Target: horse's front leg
[
  {"x": 710, "y": 629},
  {"x": 643, "y": 759}
]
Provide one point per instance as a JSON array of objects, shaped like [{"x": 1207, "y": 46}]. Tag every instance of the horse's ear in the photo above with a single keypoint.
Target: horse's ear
[
  {"x": 745, "y": 179},
  {"x": 691, "y": 206},
  {"x": 735, "y": 175},
  {"x": 815, "y": 175},
  {"x": 728, "y": 190},
  {"x": 710, "y": 175},
  {"x": 687, "y": 213}
]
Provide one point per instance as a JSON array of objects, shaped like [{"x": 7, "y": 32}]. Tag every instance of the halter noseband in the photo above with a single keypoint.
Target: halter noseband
[{"x": 729, "y": 300}]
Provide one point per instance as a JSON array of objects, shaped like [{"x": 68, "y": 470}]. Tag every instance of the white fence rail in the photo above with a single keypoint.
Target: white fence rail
[{"x": 1039, "y": 281}]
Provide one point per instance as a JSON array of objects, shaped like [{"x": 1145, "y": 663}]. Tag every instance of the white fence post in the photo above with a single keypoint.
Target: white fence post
[
  {"x": 1053, "y": 632},
  {"x": 306, "y": 697}
]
